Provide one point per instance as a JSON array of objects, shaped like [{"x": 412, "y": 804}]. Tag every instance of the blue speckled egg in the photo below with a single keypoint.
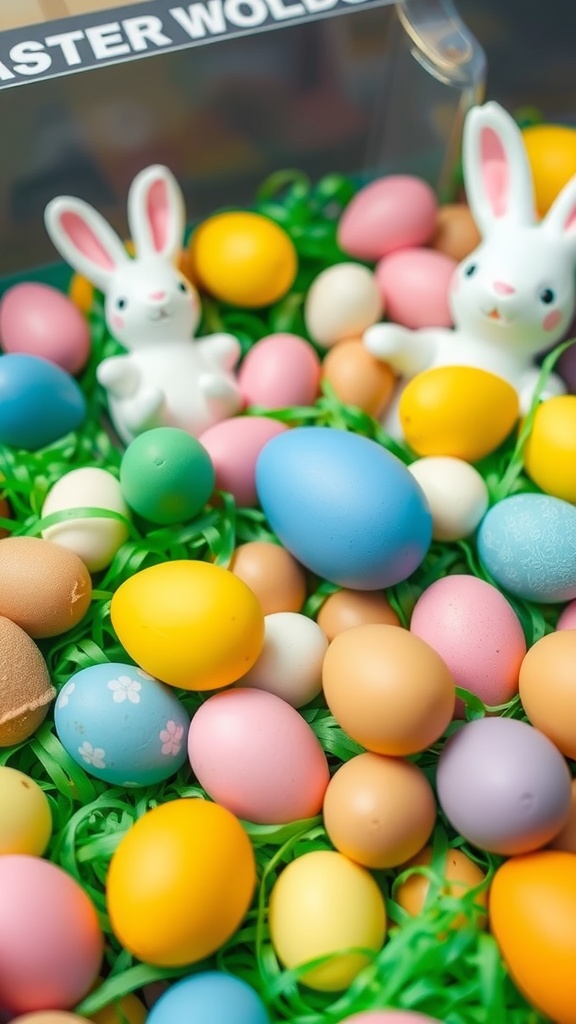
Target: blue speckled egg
[
  {"x": 39, "y": 402},
  {"x": 343, "y": 506},
  {"x": 528, "y": 545},
  {"x": 122, "y": 725}
]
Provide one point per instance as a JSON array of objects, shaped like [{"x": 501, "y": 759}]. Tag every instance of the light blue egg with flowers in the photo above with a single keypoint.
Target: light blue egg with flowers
[
  {"x": 527, "y": 543},
  {"x": 122, "y": 725}
]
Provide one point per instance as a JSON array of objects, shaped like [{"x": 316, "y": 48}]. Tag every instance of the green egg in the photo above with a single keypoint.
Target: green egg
[{"x": 166, "y": 476}]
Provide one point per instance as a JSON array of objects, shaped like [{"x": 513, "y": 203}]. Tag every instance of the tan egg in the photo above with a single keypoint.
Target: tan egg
[
  {"x": 566, "y": 839},
  {"x": 345, "y": 609},
  {"x": 456, "y": 232},
  {"x": 358, "y": 378},
  {"x": 25, "y": 687},
  {"x": 277, "y": 579},
  {"x": 460, "y": 875},
  {"x": 388, "y": 689},
  {"x": 44, "y": 588},
  {"x": 49, "y": 1017},
  {"x": 379, "y": 811},
  {"x": 548, "y": 688}
]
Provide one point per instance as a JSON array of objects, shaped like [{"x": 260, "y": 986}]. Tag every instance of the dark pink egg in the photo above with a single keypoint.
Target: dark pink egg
[{"x": 38, "y": 320}]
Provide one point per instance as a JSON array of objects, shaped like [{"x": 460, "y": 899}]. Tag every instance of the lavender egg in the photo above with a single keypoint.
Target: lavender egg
[{"x": 504, "y": 786}]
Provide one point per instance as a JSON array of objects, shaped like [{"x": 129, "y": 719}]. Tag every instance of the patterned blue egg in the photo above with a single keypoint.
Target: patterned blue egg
[
  {"x": 528, "y": 545},
  {"x": 39, "y": 402},
  {"x": 343, "y": 506},
  {"x": 122, "y": 725}
]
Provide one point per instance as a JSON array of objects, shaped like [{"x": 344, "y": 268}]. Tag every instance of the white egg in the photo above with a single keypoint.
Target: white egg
[
  {"x": 95, "y": 540},
  {"x": 290, "y": 665},
  {"x": 456, "y": 494},
  {"x": 342, "y": 302}
]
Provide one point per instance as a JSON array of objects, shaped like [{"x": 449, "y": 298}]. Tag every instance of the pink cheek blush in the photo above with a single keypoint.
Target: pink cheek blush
[
  {"x": 117, "y": 322},
  {"x": 567, "y": 619},
  {"x": 280, "y": 370},
  {"x": 551, "y": 321},
  {"x": 234, "y": 446},
  {"x": 414, "y": 285}
]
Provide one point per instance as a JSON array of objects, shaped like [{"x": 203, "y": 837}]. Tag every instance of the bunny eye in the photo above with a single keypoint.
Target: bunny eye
[
  {"x": 547, "y": 296},
  {"x": 121, "y": 303},
  {"x": 182, "y": 287},
  {"x": 470, "y": 269}
]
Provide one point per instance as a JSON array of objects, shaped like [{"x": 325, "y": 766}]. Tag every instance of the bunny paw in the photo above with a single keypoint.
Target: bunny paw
[
  {"x": 221, "y": 350},
  {"x": 119, "y": 376},
  {"x": 144, "y": 411},
  {"x": 216, "y": 385}
]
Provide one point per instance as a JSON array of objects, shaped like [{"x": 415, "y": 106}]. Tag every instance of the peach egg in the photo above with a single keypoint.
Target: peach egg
[
  {"x": 358, "y": 378},
  {"x": 272, "y": 573},
  {"x": 459, "y": 876},
  {"x": 347, "y": 608}
]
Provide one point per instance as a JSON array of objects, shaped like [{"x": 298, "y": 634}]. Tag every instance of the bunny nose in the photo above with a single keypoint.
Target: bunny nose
[
  {"x": 503, "y": 289},
  {"x": 157, "y": 296}
]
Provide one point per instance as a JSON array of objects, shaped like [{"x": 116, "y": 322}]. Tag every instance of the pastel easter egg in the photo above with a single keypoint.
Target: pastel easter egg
[
  {"x": 272, "y": 574},
  {"x": 342, "y": 302},
  {"x": 358, "y": 378},
  {"x": 95, "y": 540},
  {"x": 121, "y": 725},
  {"x": 290, "y": 663},
  {"x": 456, "y": 233},
  {"x": 166, "y": 475},
  {"x": 278, "y": 371},
  {"x": 548, "y": 689},
  {"x": 26, "y": 823},
  {"x": 345, "y": 507},
  {"x": 532, "y": 911},
  {"x": 51, "y": 943},
  {"x": 550, "y": 449},
  {"x": 44, "y": 588},
  {"x": 456, "y": 493},
  {"x": 212, "y": 997},
  {"x": 414, "y": 286},
  {"x": 191, "y": 624},
  {"x": 254, "y": 754},
  {"x": 234, "y": 446},
  {"x": 39, "y": 320},
  {"x": 345, "y": 609},
  {"x": 459, "y": 875},
  {"x": 390, "y": 213},
  {"x": 459, "y": 411},
  {"x": 526, "y": 544},
  {"x": 567, "y": 619},
  {"x": 476, "y": 632},
  {"x": 551, "y": 152},
  {"x": 39, "y": 402},
  {"x": 503, "y": 785}
]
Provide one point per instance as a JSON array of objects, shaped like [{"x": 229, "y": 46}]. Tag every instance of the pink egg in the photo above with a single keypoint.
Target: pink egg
[
  {"x": 567, "y": 618},
  {"x": 255, "y": 755},
  {"x": 51, "y": 944},
  {"x": 280, "y": 370},
  {"x": 390, "y": 1017},
  {"x": 39, "y": 320},
  {"x": 414, "y": 285},
  {"x": 476, "y": 632},
  {"x": 234, "y": 446},
  {"x": 391, "y": 213}
]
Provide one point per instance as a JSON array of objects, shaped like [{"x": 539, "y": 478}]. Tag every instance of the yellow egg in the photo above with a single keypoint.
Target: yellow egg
[
  {"x": 26, "y": 820},
  {"x": 321, "y": 905},
  {"x": 191, "y": 624},
  {"x": 550, "y": 451},
  {"x": 243, "y": 258},
  {"x": 458, "y": 411},
  {"x": 551, "y": 151},
  {"x": 81, "y": 291}
]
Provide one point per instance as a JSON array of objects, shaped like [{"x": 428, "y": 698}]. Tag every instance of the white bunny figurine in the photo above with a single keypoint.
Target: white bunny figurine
[
  {"x": 515, "y": 295},
  {"x": 166, "y": 378}
]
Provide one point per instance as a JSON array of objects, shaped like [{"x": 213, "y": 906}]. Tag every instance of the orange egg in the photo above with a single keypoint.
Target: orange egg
[
  {"x": 566, "y": 839},
  {"x": 81, "y": 292},
  {"x": 532, "y": 914},
  {"x": 345, "y": 609},
  {"x": 548, "y": 688},
  {"x": 456, "y": 232},
  {"x": 126, "y": 1010},
  {"x": 358, "y": 378},
  {"x": 388, "y": 689},
  {"x": 459, "y": 874},
  {"x": 272, "y": 573}
]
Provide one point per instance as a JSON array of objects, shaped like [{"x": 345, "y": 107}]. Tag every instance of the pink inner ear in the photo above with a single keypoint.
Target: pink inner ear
[
  {"x": 81, "y": 234},
  {"x": 158, "y": 210},
  {"x": 495, "y": 171}
]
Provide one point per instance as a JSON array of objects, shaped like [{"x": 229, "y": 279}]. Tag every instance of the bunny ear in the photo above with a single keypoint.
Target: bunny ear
[
  {"x": 561, "y": 217},
  {"x": 156, "y": 213},
  {"x": 496, "y": 169},
  {"x": 84, "y": 239}
]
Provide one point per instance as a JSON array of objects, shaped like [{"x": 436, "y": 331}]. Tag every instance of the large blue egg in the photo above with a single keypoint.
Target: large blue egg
[
  {"x": 210, "y": 997},
  {"x": 122, "y": 725},
  {"x": 343, "y": 506},
  {"x": 528, "y": 545},
  {"x": 39, "y": 402}
]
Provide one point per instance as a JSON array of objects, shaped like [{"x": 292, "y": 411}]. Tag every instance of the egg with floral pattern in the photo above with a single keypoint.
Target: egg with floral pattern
[{"x": 122, "y": 725}]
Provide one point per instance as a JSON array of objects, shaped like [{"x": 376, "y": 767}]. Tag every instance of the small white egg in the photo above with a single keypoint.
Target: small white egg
[
  {"x": 95, "y": 540},
  {"x": 456, "y": 493},
  {"x": 290, "y": 665},
  {"x": 342, "y": 302}
]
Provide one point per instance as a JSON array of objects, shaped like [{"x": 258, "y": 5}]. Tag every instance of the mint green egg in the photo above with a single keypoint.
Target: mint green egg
[{"x": 166, "y": 476}]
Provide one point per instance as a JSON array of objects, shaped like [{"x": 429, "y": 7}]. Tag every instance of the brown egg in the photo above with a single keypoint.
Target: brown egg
[
  {"x": 388, "y": 689},
  {"x": 345, "y": 609},
  {"x": 44, "y": 588},
  {"x": 548, "y": 689},
  {"x": 5, "y": 513},
  {"x": 566, "y": 839},
  {"x": 379, "y": 811},
  {"x": 460, "y": 874},
  {"x": 271, "y": 572},
  {"x": 25, "y": 687},
  {"x": 456, "y": 232},
  {"x": 358, "y": 378}
]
